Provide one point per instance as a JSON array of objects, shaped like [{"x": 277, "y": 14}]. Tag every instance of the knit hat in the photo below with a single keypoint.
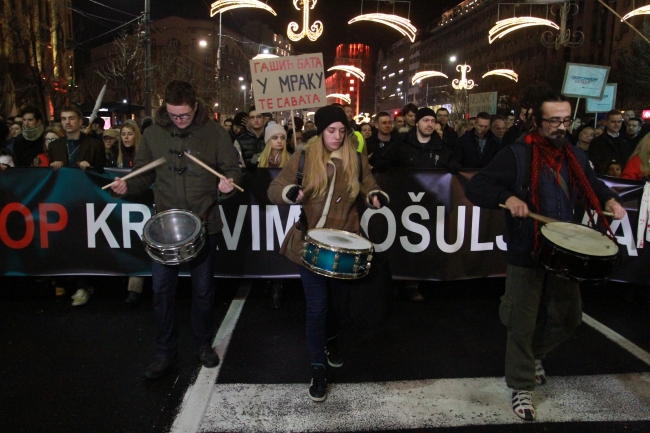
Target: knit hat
[
  {"x": 424, "y": 112},
  {"x": 111, "y": 133},
  {"x": 272, "y": 129},
  {"x": 299, "y": 123},
  {"x": 238, "y": 118},
  {"x": 327, "y": 115}
]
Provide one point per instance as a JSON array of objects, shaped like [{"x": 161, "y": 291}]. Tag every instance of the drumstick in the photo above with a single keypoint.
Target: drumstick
[
  {"x": 207, "y": 167},
  {"x": 147, "y": 167},
  {"x": 545, "y": 219}
]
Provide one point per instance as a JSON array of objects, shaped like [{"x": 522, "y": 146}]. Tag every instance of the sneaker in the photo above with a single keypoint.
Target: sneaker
[
  {"x": 522, "y": 404},
  {"x": 318, "y": 387},
  {"x": 540, "y": 374},
  {"x": 59, "y": 291},
  {"x": 81, "y": 297},
  {"x": 334, "y": 357},
  {"x": 160, "y": 366},
  {"x": 208, "y": 357}
]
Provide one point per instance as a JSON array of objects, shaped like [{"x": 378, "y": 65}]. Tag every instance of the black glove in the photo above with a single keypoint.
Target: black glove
[
  {"x": 381, "y": 197},
  {"x": 292, "y": 194}
]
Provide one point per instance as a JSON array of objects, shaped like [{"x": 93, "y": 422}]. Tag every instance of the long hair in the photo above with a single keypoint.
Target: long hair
[
  {"x": 266, "y": 153},
  {"x": 133, "y": 127},
  {"x": 643, "y": 150},
  {"x": 316, "y": 157}
]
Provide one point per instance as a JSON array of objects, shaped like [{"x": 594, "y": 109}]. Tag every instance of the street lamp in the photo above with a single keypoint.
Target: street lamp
[{"x": 244, "y": 92}]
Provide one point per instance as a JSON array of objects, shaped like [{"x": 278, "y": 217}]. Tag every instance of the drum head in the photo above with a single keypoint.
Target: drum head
[
  {"x": 579, "y": 239},
  {"x": 172, "y": 228},
  {"x": 340, "y": 239}
]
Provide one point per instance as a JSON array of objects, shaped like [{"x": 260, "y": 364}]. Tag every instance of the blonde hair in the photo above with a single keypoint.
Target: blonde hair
[
  {"x": 56, "y": 129},
  {"x": 643, "y": 150},
  {"x": 136, "y": 131},
  {"x": 266, "y": 153},
  {"x": 316, "y": 157}
]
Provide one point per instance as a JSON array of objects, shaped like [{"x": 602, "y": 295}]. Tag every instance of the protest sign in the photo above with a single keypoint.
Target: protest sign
[
  {"x": 584, "y": 81},
  {"x": 604, "y": 104},
  {"x": 479, "y": 102}
]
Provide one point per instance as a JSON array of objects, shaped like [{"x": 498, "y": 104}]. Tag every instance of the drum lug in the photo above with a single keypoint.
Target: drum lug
[
  {"x": 335, "y": 265},
  {"x": 355, "y": 268},
  {"x": 357, "y": 260},
  {"x": 369, "y": 259},
  {"x": 314, "y": 259}
]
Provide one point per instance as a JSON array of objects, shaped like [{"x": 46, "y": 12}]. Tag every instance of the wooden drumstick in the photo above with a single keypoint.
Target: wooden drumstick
[
  {"x": 147, "y": 167},
  {"x": 545, "y": 219},
  {"x": 207, "y": 167}
]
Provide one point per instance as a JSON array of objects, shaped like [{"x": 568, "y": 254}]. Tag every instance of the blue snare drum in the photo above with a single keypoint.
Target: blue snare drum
[{"x": 337, "y": 254}]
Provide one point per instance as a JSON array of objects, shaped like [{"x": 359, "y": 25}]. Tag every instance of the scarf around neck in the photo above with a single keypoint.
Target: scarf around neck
[{"x": 32, "y": 134}]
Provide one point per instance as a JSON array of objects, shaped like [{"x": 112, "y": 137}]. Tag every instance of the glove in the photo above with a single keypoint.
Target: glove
[
  {"x": 292, "y": 194},
  {"x": 381, "y": 197}
]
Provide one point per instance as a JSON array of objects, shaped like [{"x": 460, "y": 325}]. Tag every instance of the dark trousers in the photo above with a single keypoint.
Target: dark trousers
[
  {"x": 323, "y": 296},
  {"x": 165, "y": 278}
]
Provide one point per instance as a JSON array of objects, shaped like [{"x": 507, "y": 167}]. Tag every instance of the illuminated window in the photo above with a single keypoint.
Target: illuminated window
[
  {"x": 384, "y": 88},
  {"x": 385, "y": 66},
  {"x": 391, "y": 75},
  {"x": 347, "y": 74},
  {"x": 351, "y": 81},
  {"x": 401, "y": 70},
  {"x": 401, "y": 60},
  {"x": 351, "y": 89},
  {"x": 383, "y": 78},
  {"x": 400, "y": 82}
]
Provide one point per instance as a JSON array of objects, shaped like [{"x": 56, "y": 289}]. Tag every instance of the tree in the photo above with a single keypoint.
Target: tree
[{"x": 633, "y": 74}]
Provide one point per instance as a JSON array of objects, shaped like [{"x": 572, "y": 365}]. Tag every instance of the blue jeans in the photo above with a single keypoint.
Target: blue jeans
[
  {"x": 165, "y": 278},
  {"x": 323, "y": 296}
]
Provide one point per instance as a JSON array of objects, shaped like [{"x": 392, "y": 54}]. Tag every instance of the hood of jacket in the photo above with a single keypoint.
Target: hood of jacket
[
  {"x": 202, "y": 115},
  {"x": 435, "y": 142}
]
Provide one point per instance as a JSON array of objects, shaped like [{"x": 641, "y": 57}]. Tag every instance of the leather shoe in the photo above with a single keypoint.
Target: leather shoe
[
  {"x": 208, "y": 357},
  {"x": 133, "y": 298},
  {"x": 160, "y": 366}
]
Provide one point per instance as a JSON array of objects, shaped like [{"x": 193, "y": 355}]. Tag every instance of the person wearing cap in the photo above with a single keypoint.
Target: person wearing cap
[
  {"x": 275, "y": 154},
  {"x": 335, "y": 177},
  {"x": 111, "y": 139}
]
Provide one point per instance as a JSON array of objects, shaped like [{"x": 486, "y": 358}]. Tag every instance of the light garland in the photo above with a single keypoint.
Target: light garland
[
  {"x": 639, "y": 11},
  {"x": 463, "y": 83},
  {"x": 508, "y": 73},
  {"x": 312, "y": 32},
  {"x": 341, "y": 96},
  {"x": 503, "y": 27},
  {"x": 349, "y": 69},
  {"x": 362, "y": 118},
  {"x": 400, "y": 24},
  {"x": 221, "y": 6},
  {"x": 426, "y": 74}
]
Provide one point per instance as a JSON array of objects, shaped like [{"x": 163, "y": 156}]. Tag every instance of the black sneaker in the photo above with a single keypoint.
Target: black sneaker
[
  {"x": 318, "y": 387},
  {"x": 208, "y": 357},
  {"x": 160, "y": 366},
  {"x": 334, "y": 357}
]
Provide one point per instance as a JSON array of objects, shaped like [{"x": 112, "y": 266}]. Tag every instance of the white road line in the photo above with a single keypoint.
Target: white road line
[
  {"x": 197, "y": 397},
  {"x": 423, "y": 404},
  {"x": 617, "y": 338}
]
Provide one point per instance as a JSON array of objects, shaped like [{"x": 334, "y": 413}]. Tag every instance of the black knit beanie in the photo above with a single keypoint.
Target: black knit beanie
[
  {"x": 327, "y": 115},
  {"x": 423, "y": 112}
]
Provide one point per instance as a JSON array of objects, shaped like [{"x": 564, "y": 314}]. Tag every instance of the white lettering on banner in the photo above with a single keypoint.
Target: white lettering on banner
[
  {"x": 273, "y": 220},
  {"x": 628, "y": 235},
  {"x": 232, "y": 238},
  {"x": 99, "y": 224},
  {"x": 440, "y": 230},
  {"x": 127, "y": 225},
  {"x": 416, "y": 198},
  {"x": 475, "y": 244},
  {"x": 255, "y": 226},
  {"x": 415, "y": 228},
  {"x": 392, "y": 226},
  {"x": 501, "y": 244}
]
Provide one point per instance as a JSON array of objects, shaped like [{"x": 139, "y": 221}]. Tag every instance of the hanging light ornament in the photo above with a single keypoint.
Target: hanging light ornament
[
  {"x": 503, "y": 27},
  {"x": 400, "y": 24},
  {"x": 341, "y": 96},
  {"x": 426, "y": 74},
  {"x": 221, "y": 6},
  {"x": 508, "y": 73},
  {"x": 349, "y": 69},
  {"x": 463, "y": 83},
  {"x": 640, "y": 11},
  {"x": 312, "y": 32}
]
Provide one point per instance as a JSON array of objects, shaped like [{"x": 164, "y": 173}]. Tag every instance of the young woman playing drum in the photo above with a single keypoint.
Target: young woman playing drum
[{"x": 328, "y": 195}]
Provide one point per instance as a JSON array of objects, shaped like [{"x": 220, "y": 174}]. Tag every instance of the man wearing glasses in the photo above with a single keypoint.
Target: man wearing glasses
[
  {"x": 611, "y": 145},
  {"x": 183, "y": 126},
  {"x": 251, "y": 142},
  {"x": 542, "y": 172}
]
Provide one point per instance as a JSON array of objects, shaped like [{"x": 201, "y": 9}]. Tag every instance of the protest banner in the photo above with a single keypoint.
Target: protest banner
[
  {"x": 604, "y": 104},
  {"x": 584, "y": 81},
  {"x": 479, "y": 102}
]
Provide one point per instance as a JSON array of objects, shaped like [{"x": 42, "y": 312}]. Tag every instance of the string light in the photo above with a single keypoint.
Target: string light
[
  {"x": 426, "y": 74},
  {"x": 508, "y": 73},
  {"x": 221, "y": 6},
  {"x": 640, "y": 11},
  {"x": 312, "y": 32},
  {"x": 362, "y": 118},
  {"x": 463, "y": 83},
  {"x": 503, "y": 27},
  {"x": 400, "y": 24},
  {"x": 349, "y": 69},
  {"x": 341, "y": 96}
]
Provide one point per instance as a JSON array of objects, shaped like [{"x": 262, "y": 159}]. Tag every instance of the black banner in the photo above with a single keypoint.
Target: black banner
[{"x": 62, "y": 223}]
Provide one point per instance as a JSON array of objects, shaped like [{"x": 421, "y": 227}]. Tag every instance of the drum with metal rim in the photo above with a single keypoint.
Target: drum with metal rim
[
  {"x": 337, "y": 253},
  {"x": 174, "y": 236}
]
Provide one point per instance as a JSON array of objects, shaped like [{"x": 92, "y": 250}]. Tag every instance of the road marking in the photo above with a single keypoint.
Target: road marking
[
  {"x": 197, "y": 397},
  {"x": 423, "y": 404},
  {"x": 617, "y": 338}
]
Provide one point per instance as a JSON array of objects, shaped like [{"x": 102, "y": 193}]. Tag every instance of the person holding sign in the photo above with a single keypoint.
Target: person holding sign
[{"x": 335, "y": 177}]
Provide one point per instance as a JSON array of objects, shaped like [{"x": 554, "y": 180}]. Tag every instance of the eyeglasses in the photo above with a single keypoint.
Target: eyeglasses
[
  {"x": 182, "y": 117},
  {"x": 49, "y": 140},
  {"x": 556, "y": 122}
]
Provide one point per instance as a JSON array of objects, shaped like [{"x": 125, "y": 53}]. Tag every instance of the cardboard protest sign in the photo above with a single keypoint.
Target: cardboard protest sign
[
  {"x": 584, "y": 81},
  {"x": 604, "y": 104},
  {"x": 288, "y": 83},
  {"x": 479, "y": 102}
]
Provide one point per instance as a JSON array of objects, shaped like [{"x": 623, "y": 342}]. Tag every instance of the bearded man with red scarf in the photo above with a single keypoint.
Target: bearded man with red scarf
[{"x": 543, "y": 173}]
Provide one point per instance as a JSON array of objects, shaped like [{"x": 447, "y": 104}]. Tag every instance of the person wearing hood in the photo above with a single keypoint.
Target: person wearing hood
[
  {"x": 183, "y": 126},
  {"x": 31, "y": 142}
]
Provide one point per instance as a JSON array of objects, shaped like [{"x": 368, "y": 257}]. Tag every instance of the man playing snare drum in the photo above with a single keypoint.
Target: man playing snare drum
[
  {"x": 183, "y": 125},
  {"x": 543, "y": 173}
]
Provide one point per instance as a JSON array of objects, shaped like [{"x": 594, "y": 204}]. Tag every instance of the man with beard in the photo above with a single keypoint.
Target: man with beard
[
  {"x": 543, "y": 173},
  {"x": 31, "y": 142}
]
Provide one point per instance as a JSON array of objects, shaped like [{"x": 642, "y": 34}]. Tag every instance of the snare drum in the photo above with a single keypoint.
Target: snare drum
[
  {"x": 337, "y": 254},
  {"x": 174, "y": 236},
  {"x": 576, "y": 251}
]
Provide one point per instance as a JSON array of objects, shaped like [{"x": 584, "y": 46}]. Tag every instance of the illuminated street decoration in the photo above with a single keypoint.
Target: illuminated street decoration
[
  {"x": 426, "y": 74},
  {"x": 463, "y": 83},
  {"x": 265, "y": 56},
  {"x": 639, "y": 11},
  {"x": 508, "y": 73},
  {"x": 349, "y": 69},
  {"x": 341, "y": 96},
  {"x": 221, "y": 6},
  {"x": 503, "y": 27},
  {"x": 402, "y": 25},
  {"x": 362, "y": 118},
  {"x": 312, "y": 32}
]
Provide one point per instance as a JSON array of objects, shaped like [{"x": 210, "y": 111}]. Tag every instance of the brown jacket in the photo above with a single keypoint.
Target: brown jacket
[
  {"x": 340, "y": 215},
  {"x": 91, "y": 150}
]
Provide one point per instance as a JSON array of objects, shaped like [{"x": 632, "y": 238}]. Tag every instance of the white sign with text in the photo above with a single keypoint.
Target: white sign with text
[
  {"x": 479, "y": 102},
  {"x": 584, "y": 81}
]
